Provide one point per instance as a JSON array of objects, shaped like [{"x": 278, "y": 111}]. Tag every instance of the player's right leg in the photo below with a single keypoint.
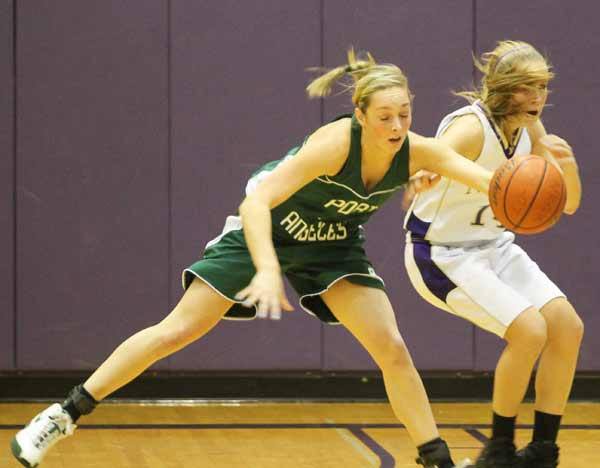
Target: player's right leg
[
  {"x": 198, "y": 311},
  {"x": 366, "y": 312}
]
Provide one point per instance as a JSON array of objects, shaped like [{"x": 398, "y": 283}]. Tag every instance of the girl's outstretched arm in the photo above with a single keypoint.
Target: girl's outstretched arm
[
  {"x": 432, "y": 155},
  {"x": 324, "y": 153}
]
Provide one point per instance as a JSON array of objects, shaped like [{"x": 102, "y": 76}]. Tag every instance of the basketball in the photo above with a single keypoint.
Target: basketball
[{"x": 527, "y": 194}]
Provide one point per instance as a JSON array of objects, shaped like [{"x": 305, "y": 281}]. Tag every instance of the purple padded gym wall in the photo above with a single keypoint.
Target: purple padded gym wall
[
  {"x": 92, "y": 168},
  {"x": 7, "y": 211},
  {"x": 138, "y": 125}
]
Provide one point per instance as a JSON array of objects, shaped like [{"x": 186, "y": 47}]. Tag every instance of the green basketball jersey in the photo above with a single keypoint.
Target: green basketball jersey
[{"x": 332, "y": 208}]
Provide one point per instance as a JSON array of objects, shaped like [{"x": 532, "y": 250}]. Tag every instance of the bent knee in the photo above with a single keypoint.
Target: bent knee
[
  {"x": 577, "y": 328},
  {"x": 528, "y": 331},
  {"x": 569, "y": 328},
  {"x": 564, "y": 324}
]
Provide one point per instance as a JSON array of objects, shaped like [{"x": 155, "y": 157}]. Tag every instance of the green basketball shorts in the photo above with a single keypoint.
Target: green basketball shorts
[{"x": 310, "y": 267}]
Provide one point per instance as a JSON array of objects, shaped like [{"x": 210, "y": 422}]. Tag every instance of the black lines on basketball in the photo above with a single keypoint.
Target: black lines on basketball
[
  {"x": 537, "y": 190},
  {"x": 527, "y": 194}
]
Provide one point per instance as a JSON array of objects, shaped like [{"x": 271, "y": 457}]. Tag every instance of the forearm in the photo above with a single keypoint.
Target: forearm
[
  {"x": 573, "y": 184},
  {"x": 470, "y": 174},
  {"x": 570, "y": 171},
  {"x": 442, "y": 159},
  {"x": 559, "y": 152},
  {"x": 256, "y": 221}
]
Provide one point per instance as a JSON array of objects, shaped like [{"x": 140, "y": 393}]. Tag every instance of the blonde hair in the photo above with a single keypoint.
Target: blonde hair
[
  {"x": 368, "y": 77},
  {"x": 511, "y": 65}
]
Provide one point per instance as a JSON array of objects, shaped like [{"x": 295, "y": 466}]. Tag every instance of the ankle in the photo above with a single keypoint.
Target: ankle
[
  {"x": 546, "y": 427},
  {"x": 503, "y": 427},
  {"x": 79, "y": 402},
  {"x": 436, "y": 452}
]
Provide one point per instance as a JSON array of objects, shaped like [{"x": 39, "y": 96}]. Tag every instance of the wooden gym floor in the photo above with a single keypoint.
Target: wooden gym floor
[{"x": 277, "y": 435}]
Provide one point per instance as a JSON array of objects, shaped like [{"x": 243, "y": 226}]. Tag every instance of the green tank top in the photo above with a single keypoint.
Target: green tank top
[{"x": 333, "y": 208}]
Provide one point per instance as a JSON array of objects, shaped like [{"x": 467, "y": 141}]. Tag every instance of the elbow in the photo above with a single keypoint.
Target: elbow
[
  {"x": 251, "y": 204},
  {"x": 245, "y": 207}
]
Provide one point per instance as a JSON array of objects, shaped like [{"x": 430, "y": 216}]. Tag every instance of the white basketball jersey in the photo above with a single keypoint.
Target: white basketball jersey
[{"x": 452, "y": 212}]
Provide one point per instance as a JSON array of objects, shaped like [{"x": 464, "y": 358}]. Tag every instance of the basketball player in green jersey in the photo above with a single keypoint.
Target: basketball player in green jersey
[{"x": 301, "y": 217}]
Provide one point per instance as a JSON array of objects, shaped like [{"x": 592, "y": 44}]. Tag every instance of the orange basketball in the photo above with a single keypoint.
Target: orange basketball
[{"x": 527, "y": 194}]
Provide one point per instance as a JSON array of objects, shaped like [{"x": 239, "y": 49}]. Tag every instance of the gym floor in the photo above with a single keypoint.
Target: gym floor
[{"x": 249, "y": 434}]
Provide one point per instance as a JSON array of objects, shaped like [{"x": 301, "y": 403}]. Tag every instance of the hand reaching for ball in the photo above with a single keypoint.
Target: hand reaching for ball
[
  {"x": 421, "y": 181},
  {"x": 558, "y": 148}
]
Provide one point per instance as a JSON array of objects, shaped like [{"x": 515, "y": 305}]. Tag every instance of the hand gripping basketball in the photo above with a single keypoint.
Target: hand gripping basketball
[{"x": 527, "y": 194}]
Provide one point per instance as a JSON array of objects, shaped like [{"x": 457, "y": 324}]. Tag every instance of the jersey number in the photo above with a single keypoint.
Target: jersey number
[{"x": 479, "y": 216}]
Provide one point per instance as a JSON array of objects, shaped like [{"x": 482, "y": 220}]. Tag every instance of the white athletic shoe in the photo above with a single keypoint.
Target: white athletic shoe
[{"x": 31, "y": 443}]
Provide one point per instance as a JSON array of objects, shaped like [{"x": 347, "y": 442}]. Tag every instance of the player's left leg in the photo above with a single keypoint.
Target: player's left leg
[
  {"x": 553, "y": 381},
  {"x": 367, "y": 313}
]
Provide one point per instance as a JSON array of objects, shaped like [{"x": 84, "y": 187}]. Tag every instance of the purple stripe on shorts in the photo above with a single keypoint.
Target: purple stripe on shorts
[
  {"x": 435, "y": 280},
  {"x": 417, "y": 226}
]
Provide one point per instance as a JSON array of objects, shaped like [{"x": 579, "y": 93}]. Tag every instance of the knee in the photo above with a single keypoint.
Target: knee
[
  {"x": 565, "y": 327},
  {"x": 528, "y": 333},
  {"x": 169, "y": 338},
  {"x": 576, "y": 328},
  {"x": 392, "y": 353},
  {"x": 570, "y": 329}
]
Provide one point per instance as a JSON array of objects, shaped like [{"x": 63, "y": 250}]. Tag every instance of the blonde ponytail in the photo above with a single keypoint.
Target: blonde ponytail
[
  {"x": 366, "y": 75},
  {"x": 322, "y": 85}
]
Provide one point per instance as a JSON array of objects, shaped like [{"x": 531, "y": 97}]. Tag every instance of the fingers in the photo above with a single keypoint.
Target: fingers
[
  {"x": 557, "y": 146},
  {"x": 276, "y": 312},
  {"x": 553, "y": 139},
  {"x": 434, "y": 180},
  {"x": 420, "y": 182},
  {"x": 268, "y": 304},
  {"x": 262, "y": 310},
  {"x": 245, "y": 295},
  {"x": 269, "y": 307},
  {"x": 560, "y": 151},
  {"x": 424, "y": 182},
  {"x": 286, "y": 304},
  {"x": 266, "y": 307},
  {"x": 416, "y": 184},
  {"x": 250, "y": 300}
]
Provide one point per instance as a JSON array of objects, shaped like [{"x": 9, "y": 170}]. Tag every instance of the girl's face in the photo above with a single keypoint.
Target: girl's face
[
  {"x": 387, "y": 118},
  {"x": 529, "y": 101}
]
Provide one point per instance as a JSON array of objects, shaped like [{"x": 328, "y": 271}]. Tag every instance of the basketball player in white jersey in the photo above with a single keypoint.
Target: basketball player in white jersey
[{"x": 460, "y": 259}]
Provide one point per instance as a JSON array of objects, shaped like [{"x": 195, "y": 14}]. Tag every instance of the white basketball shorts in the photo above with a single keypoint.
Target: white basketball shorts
[{"x": 488, "y": 283}]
